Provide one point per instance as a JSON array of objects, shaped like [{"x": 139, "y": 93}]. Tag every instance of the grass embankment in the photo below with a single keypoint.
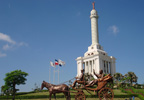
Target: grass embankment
[{"x": 118, "y": 95}]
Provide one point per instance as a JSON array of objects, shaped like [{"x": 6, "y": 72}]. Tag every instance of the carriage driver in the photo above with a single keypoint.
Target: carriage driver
[
  {"x": 80, "y": 78},
  {"x": 99, "y": 76}
]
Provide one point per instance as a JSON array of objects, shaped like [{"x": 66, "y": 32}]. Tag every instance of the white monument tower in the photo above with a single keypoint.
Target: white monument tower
[{"x": 95, "y": 58}]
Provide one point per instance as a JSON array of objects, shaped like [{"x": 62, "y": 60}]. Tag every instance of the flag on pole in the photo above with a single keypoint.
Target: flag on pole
[
  {"x": 56, "y": 62},
  {"x": 52, "y": 64},
  {"x": 61, "y": 63}
]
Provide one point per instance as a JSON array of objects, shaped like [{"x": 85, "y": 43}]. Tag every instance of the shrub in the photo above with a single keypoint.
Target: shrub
[{"x": 131, "y": 94}]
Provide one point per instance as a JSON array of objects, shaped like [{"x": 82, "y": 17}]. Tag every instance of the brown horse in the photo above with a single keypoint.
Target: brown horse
[{"x": 53, "y": 89}]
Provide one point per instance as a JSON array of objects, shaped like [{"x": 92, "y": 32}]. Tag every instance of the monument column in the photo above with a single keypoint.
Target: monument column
[
  {"x": 113, "y": 65},
  {"x": 95, "y": 58},
  {"x": 94, "y": 25},
  {"x": 79, "y": 65},
  {"x": 86, "y": 67},
  {"x": 92, "y": 66},
  {"x": 108, "y": 68},
  {"x": 89, "y": 67}
]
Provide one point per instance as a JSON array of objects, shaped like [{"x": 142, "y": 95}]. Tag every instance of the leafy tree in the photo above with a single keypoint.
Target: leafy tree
[
  {"x": 14, "y": 78},
  {"x": 37, "y": 89},
  {"x": 5, "y": 89},
  {"x": 118, "y": 77},
  {"x": 131, "y": 77},
  {"x": 88, "y": 77},
  {"x": 2, "y": 89}
]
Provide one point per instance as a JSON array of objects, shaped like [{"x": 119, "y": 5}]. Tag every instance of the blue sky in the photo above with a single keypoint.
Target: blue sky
[{"x": 35, "y": 32}]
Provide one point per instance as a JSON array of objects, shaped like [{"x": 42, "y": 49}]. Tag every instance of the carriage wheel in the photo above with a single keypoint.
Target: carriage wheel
[
  {"x": 106, "y": 94},
  {"x": 80, "y": 96}
]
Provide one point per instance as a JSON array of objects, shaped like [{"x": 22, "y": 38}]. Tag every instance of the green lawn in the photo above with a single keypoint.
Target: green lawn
[
  {"x": 74, "y": 99},
  {"x": 118, "y": 95},
  {"x": 116, "y": 92}
]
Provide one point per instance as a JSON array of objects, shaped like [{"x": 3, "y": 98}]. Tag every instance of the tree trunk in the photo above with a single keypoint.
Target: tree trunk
[
  {"x": 14, "y": 90},
  {"x": 131, "y": 82},
  {"x": 13, "y": 97},
  {"x": 7, "y": 97}
]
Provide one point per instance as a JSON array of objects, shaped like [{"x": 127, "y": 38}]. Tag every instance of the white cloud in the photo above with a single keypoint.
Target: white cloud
[
  {"x": 6, "y": 47},
  {"x": 113, "y": 29},
  {"x": 22, "y": 44},
  {"x": 10, "y": 44},
  {"x": 6, "y": 38},
  {"x": 2, "y": 54}
]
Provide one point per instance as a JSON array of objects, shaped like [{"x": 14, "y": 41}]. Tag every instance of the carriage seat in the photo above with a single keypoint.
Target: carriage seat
[
  {"x": 105, "y": 78},
  {"x": 102, "y": 82}
]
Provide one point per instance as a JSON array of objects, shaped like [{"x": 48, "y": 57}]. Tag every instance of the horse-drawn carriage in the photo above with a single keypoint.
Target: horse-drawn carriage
[{"x": 104, "y": 92}]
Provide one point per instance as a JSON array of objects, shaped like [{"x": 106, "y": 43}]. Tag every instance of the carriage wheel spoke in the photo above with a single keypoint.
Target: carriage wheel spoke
[
  {"x": 80, "y": 96},
  {"x": 109, "y": 95},
  {"x": 106, "y": 94}
]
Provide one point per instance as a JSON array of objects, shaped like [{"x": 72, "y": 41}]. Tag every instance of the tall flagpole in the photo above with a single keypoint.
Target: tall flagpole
[
  {"x": 49, "y": 74},
  {"x": 54, "y": 77},
  {"x": 58, "y": 75}
]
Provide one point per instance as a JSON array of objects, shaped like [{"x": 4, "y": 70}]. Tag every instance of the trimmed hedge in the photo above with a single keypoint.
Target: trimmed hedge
[
  {"x": 131, "y": 94},
  {"x": 5, "y": 97},
  {"x": 136, "y": 90}
]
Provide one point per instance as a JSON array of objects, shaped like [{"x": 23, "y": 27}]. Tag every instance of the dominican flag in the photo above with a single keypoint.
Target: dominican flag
[{"x": 56, "y": 62}]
